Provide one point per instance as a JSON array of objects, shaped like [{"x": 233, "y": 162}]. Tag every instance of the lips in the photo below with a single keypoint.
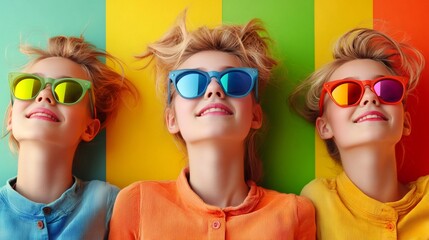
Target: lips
[
  {"x": 43, "y": 114},
  {"x": 214, "y": 109},
  {"x": 371, "y": 116}
]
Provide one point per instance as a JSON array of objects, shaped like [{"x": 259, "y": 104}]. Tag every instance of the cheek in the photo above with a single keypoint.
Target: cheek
[
  {"x": 248, "y": 107},
  {"x": 332, "y": 112},
  {"x": 183, "y": 109},
  {"x": 338, "y": 118},
  {"x": 398, "y": 115},
  {"x": 245, "y": 109},
  {"x": 79, "y": 112},
  {"x": 18, "y": 108}
]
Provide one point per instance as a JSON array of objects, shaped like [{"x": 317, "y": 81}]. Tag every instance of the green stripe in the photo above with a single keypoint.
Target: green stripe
[
  {"x": 288, "y": 149},
  {"x": 34, "y": 22}
]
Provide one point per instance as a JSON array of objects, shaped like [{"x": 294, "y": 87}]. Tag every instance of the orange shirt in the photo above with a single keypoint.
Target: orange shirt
[{"x": 171, "y": 210}]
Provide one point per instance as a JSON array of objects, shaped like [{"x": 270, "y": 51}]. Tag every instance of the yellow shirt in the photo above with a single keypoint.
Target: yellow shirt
[
  {"x": 344, "y": 212},
  {"x": 171, "y": 210}
]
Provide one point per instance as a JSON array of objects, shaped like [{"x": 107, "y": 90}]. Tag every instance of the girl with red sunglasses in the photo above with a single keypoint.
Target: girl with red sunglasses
[
  {"x": 209, "y": 80},
  {"x": 63, "y": 97},
  {"x": 357, "y": 103}
]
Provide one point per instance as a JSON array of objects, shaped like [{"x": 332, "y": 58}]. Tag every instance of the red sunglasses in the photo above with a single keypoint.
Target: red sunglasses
[{"x": 349, "y": 92}]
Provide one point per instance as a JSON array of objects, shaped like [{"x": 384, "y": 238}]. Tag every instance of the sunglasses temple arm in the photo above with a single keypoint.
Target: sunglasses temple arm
[
  {"x": 11, "y": 99},
  {"x": 168, "y": 93},
  {"x": 256, "y": 90},
  {"x": 92, "y": 104}
]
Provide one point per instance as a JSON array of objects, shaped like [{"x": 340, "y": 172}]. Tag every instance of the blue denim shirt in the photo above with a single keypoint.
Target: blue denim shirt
[{"x": 82, "y": 212}]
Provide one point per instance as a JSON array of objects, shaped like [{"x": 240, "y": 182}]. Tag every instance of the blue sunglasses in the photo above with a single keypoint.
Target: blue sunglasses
[{"x": 235, "y": 82}]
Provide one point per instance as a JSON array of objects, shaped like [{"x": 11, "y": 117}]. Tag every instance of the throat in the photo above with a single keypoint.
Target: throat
[
  {"x": 373, "y": 170},
  {"x": 218, "y": 188}
]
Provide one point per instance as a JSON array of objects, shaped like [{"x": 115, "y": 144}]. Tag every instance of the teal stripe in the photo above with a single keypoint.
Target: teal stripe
[
  {"x": 33, "y": 22},
  {"x": 288, "y": 149}
]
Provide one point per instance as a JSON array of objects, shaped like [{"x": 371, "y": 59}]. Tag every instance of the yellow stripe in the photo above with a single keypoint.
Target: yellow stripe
[
  {"x": 332, "y": 19},
  {"x": 138, "y": 146}
]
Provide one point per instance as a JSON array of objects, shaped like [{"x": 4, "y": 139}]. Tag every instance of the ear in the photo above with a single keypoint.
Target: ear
[
  {"x": 407, "y": 124},
  {"x": 256, "y": 116},
  {"x": 91, "y": 130},
  {"x": 9, "y": 118},
  {"x": 170, "y": 120},
  {"x": 324, "y": 129}
]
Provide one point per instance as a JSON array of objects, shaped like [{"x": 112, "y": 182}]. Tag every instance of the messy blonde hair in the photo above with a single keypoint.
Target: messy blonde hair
[
  {"x": 108, "y": 86},
  {"x": 243, "y": 41},
  {"x": 359, "y": 43}
]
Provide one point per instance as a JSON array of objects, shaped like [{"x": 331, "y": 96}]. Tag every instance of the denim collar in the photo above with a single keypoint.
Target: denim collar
[{"x": 61, "y": 207}]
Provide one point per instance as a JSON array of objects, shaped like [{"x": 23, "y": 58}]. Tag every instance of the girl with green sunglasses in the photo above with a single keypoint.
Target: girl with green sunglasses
[{"x": 64, "y": 95}]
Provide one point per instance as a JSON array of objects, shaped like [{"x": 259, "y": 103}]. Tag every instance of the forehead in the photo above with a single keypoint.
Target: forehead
[
  {"x": 363, "y": 69},
  {"x": 57, "y": 67},
  {"x": 211, "y": 61}
]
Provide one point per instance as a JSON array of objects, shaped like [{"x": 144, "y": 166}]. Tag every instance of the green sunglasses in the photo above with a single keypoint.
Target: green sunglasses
[{"x": 67, "y": 91}]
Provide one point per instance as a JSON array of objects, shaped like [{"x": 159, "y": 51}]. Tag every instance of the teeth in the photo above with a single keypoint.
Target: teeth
[
  {"x": 214, "y": 110},
  {"x": 373, "y": 116},
  {"x": 44, "y": 115}
]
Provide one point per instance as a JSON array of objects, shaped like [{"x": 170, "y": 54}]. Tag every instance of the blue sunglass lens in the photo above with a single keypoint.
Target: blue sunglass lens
[
  {"x": 236, "y": 83},
  {"x": 191, "y": 85}
]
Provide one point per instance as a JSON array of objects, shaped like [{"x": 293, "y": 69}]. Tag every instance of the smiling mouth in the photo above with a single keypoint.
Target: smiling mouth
[
  {"x": 214, "y": 111},
  {"x": 43, "y": 116},
  {"x": 370, "y": 117}
]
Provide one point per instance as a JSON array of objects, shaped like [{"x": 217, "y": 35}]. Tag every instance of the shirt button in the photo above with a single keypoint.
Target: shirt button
[
  {"x": 390, "y": 226},
  {"x": 216, "y": 224},
  {"x": 47, "y": 210},
  {"x": 40, "y": 224}
]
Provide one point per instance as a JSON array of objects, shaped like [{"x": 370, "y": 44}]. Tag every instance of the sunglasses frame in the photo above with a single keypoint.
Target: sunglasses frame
[
  {"x": 85, "y": 84},
  {"x": 328, "y": 87},
  {"x": 175, "y": 75}
]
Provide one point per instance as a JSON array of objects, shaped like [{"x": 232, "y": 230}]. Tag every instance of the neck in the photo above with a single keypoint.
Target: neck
[
  {"x": 43, "y": 173},
  {"x": 373, "y": 171},
  {"x": 216, "y": 173}
]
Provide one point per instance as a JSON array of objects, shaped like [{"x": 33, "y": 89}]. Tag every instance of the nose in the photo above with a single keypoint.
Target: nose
[
  {"x": 369, "y": 97},
  {"x": 46, "y": 95},
  {"x": 214, "y": 89}
]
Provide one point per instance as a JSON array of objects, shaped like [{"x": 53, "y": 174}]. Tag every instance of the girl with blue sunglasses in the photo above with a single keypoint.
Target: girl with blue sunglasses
[
  {"x": 210, "y": 80},
  {"x": 64, "y": 95},
  {"x": 357, "y": 103}
]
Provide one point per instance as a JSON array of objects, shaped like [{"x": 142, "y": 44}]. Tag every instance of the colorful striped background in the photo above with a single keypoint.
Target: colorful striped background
[{"x": 136, "y": 146}]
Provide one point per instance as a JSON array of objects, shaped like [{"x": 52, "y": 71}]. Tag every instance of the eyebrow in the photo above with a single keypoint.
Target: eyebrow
[
  {"x": 222, "y": 68},
  {"x": 43, "y": 75},
  {"x": 355, "y": 78}
]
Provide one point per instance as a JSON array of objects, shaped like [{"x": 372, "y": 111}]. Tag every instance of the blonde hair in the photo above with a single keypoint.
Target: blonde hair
[
  {"x": 359, "y": 43},
  {"x": 243, "y": 41},
  {"x": 108, "y": 86}
]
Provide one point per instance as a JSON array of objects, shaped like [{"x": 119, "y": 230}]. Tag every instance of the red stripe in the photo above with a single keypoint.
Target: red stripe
[{"x": 410, "y": 19}]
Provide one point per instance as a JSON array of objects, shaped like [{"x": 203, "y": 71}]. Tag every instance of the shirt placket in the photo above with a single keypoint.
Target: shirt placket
[
  {"x": 217, "y": 226},
  {"x": 390, "y": 230},
  {"x": 41, "y": 224}
]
